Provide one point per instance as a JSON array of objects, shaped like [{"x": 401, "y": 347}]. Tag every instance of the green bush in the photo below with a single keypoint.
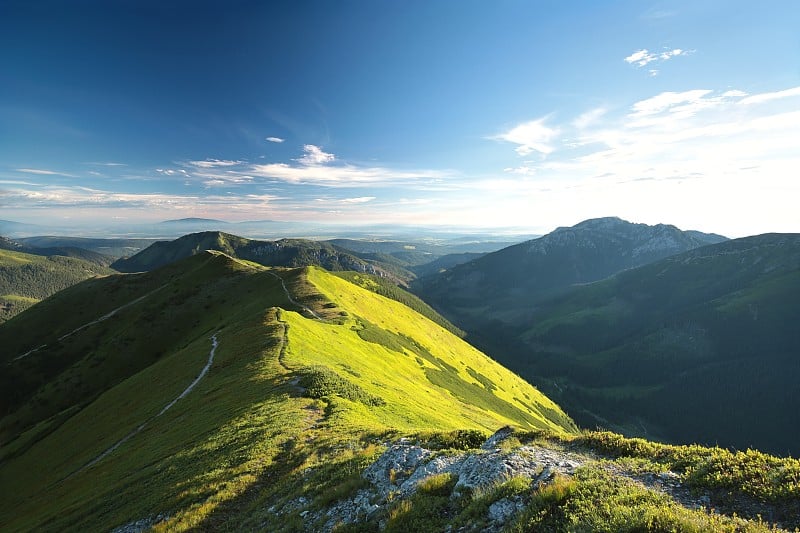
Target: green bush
[{"x": 321, "y": 381}]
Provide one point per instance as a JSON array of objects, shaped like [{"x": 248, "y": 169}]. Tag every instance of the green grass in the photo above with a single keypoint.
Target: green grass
[
  {"x": 248, "y": 435},
  {"x": 596, "y": 501},
  {"x": 389, "y": 369}
]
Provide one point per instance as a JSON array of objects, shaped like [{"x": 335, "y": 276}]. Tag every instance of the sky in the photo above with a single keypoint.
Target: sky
[{"x": 510, "y": 113}]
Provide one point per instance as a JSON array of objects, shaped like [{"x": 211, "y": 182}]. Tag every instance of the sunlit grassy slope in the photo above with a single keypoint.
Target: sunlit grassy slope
[
  {"x": 428, "y": 377},
  {"x": 243, "y": 436}
]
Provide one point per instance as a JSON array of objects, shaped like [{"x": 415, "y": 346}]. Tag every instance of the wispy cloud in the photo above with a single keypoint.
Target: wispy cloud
[
  {"x": 43, "y": 172},
  {"x": 59, "y": 197},
  {"x": 346, "y": 201},
  {"x": 767, "y": 97},
  {"x": 588, "y": 118},
  {"x": 214, "y": 163},
  {"x": 314, "y": 167},
  {"x": 340, "y": 175},
  {"x": 643, "y": 57},
  {"x": 668, "y": 101},
  {"x": 275, "y": 139},
  {"x": 712, "y": 152},
  {"x": 531, "y": 136}
]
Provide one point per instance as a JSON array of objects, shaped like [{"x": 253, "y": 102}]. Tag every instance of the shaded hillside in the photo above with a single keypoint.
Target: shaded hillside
[
  {"x": 107, "y": 248},
  {"x": 25, "y": 278},
  {"x": 421, "y": 258},
  {"x": 284, "y": 252},
  {"x": 199, "y": 392},
  {"x": 64, "y": 251},
  {"x": 444, "y": 262},
  {"x": 701, "y": 346},
  {"x": 507, "y": 284}
]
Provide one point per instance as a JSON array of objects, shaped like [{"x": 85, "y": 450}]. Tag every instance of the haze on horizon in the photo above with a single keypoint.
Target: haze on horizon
[{"x": 510, "y": 114}]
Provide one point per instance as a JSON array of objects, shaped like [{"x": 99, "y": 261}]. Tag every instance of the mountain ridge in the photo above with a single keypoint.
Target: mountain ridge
[
  {"x": 504, "y": 284},
  {"x": 635, "y": 352},
  {"x": 283, "y": 252}
]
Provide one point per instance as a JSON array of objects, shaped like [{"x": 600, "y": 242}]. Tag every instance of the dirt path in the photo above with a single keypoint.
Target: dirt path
[
  {"x": 133, "y": 433},
  {"x": 93, "y": 322},
  {"x": 292, "y": 300}
]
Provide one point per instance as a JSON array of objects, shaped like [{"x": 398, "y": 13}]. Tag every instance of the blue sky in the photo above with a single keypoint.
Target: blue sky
[{"x": 517, "y": 114}]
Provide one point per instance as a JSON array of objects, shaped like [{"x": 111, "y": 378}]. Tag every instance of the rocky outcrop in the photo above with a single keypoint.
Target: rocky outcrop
[{"x": 398, "y": 472}]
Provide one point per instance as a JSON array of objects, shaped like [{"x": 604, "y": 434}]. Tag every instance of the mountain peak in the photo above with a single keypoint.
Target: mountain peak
[{"x": 602, "y": 223}]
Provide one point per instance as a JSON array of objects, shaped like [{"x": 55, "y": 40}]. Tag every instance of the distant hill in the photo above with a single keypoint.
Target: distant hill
[
  {"x": 10, "y": 227},
  {"x": 108, "y": 247},
  {"x": 26, "y": 278},
  {"x": 218, "y": 379},
  {"x": 698, "y": 347},
  {"x": 505, "y": 285},
  {"x": 192, "y": 220},
  {"x": 284, "y": 252}
]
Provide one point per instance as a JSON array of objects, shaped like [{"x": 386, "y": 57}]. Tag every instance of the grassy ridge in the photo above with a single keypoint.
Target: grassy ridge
[
  {"x": 241, "y": 437},
  {"x": 390, "y": 290},
  {"x": 432, "y": 375}
]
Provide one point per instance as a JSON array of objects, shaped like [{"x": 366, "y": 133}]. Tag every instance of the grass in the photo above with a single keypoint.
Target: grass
[
  {"x": 390, "y": 370},
  {"x": 248, "y": 435},
  {"x": 594, "y": 500},
  {"x": 295, "y": 407}
]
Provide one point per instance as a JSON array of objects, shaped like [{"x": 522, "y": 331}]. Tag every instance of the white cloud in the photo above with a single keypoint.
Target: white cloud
[
  {"x": 766, "y": 97},
  {"x": 695, "y": 158},
  {"x": 315, "y": 156},
  {"x": 346, "y": 201},
  {"x": 523, "y": 170},
  {"x": 275, "y": 139},
  {"x": 532, "y": 136},
  {"x": 667, "y": 101},
  {"x": 643, "y": 57},
  {"x": 43, "y": 172},
  {"x": 339, "y": 176},
  {"x": 734, "y": 93},
  {"x": 84, "y": 197},
  {"x": 214, "y": 163},
  {"x": 590, "y": 117},
  {"x": 358, "y": 200}
]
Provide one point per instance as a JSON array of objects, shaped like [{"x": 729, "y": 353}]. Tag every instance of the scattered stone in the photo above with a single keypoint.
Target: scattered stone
[{"x": 499, "y": 436}]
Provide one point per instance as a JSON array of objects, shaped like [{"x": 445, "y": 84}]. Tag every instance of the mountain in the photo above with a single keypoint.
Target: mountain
[
  {"x": 284, "y": 252},
  {"x": 219, "y": 394},
  {"x": 193, "y": 220},
  {"x": 204, "y": 392},
  {"x": 506, "y": 285},
  {"x": 698, "y": 347},
  {"x": 26, "y": 278}
]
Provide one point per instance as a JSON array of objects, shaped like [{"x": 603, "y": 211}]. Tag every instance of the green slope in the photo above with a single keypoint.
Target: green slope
[
  {"x": 701, "y": 346},
  {"x": 26, "y": 278},
  {"x": 242, "y": 434}
]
